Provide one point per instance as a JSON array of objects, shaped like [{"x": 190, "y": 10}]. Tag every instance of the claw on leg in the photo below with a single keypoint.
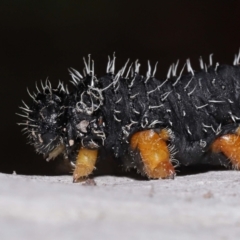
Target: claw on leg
[
  {"x": 154, "y": 153},
  {"x": 85, "y": 164},
  {"x": 229, "y": 145}
]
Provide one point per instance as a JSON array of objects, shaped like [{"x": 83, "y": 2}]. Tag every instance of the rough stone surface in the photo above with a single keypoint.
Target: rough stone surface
[{"x": 200, "y": 206}]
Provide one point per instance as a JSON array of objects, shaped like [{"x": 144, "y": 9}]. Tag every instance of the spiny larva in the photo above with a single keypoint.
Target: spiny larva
[{"x": 191, "y": 117}]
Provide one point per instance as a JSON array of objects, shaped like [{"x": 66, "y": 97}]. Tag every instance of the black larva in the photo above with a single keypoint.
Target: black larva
[{"x": 196, "y": 108}]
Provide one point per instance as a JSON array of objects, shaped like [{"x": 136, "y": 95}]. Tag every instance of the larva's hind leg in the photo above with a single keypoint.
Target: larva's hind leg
[
  {"x": 229, "y": 145},
  {"x": 154, "y": 153},
  {"x": 85, "y": 164}
]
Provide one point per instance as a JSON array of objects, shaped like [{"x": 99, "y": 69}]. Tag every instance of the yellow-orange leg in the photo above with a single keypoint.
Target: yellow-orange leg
[
  {"x": 229, "y": 145},
  {"x": 154, "y": 153},
  {"x": 85, "y": 164}
]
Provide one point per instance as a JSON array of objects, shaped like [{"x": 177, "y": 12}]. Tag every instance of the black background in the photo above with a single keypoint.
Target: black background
[{"x": 41, "y": 39}]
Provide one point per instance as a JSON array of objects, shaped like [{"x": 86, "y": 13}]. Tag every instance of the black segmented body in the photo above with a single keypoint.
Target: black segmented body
[
  {"x": 104, "y": 112},
  {"x": 196, "y": 109}
]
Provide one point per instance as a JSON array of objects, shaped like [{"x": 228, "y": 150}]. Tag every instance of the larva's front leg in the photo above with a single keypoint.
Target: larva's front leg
[
  {"x": 85, "y": 164},
  {"x": 229, "y": 145},
  {"x": 154, "y": 153}
]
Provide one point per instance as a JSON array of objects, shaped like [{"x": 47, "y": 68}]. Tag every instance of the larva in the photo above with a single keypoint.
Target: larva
[{"x": 191, "y": 117}]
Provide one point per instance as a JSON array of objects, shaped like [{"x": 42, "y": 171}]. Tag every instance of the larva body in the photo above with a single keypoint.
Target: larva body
[{"x": 146, "y": 123}]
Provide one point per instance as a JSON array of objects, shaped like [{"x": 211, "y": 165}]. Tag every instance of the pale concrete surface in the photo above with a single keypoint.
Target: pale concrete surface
[{"x": 201, "y": 206}]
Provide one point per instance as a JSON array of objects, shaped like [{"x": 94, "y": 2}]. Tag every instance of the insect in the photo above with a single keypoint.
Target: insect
[{"x": 151, "y": 125}]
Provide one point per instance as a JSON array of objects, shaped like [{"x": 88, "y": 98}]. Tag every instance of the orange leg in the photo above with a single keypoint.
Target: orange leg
[
  {"x": 85, "y": 164},
  {"x": 229, "y": 145},
  {"x": 154, "y": 153}
]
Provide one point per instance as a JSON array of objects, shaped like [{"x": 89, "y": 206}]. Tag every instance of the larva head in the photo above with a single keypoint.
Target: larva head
[
  {"x": 85, "y": 124},
  {"x": 44, "y": 120}
]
